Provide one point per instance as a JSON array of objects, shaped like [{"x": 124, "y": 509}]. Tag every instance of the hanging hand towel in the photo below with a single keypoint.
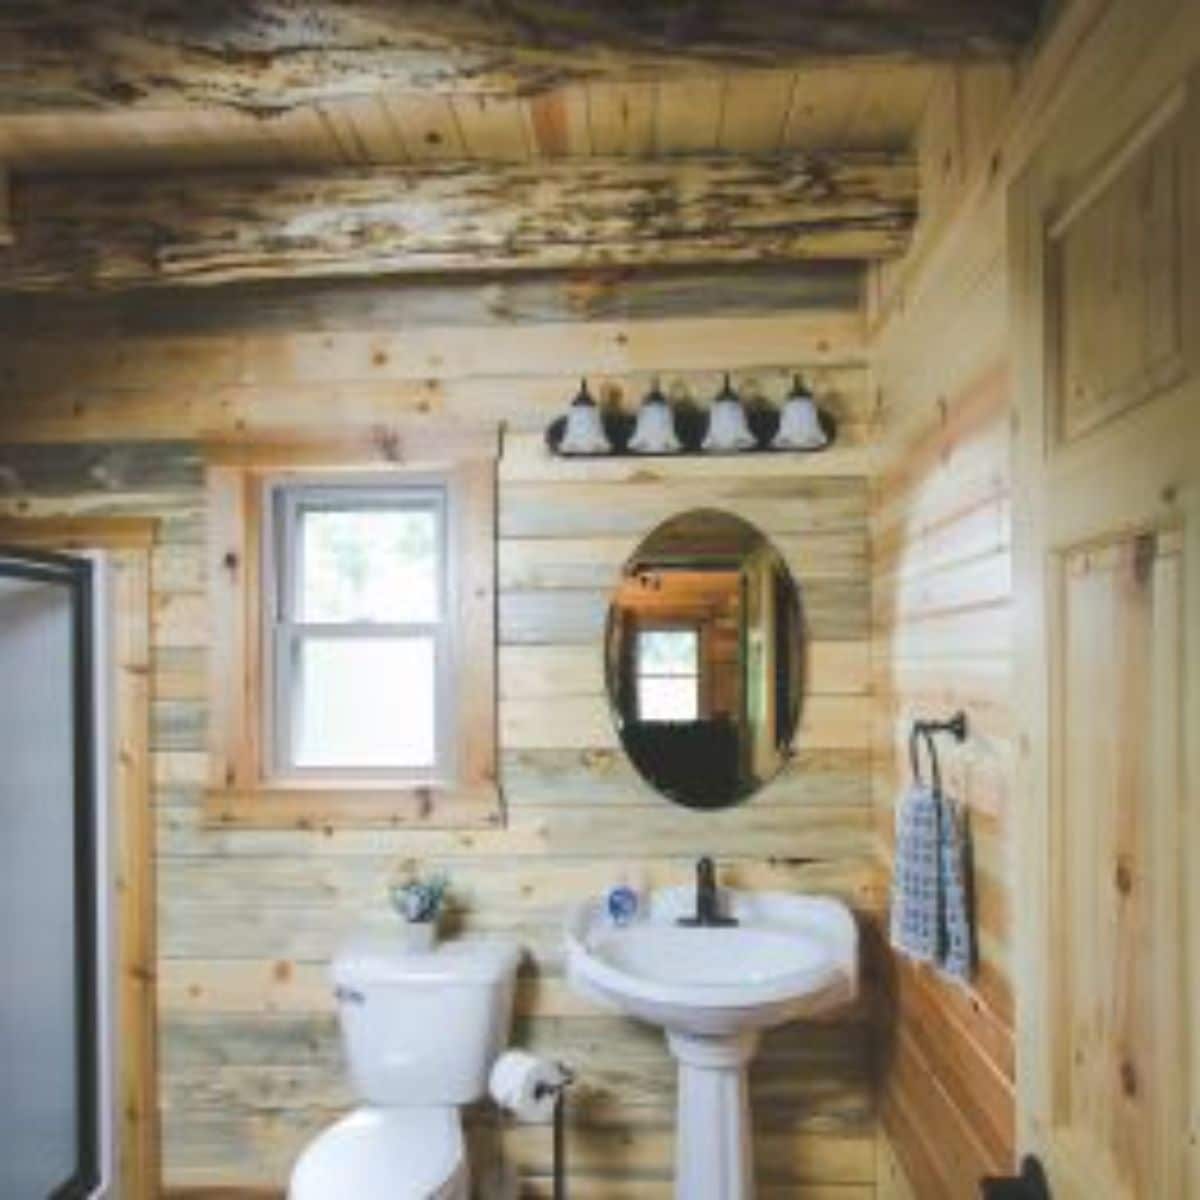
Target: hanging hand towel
[
  {"x": 916, "y": 923},
  {"x": 958, "y": 939}
]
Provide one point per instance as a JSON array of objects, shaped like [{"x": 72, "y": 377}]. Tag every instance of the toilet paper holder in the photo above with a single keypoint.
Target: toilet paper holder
[
  {"x": 566, "y": 1077},
  {"x": 559, "y": 1090},
  {"x": 553, "y": 1089}
]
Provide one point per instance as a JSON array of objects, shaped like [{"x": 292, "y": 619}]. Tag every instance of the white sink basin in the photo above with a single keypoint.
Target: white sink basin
[
  {"x": 789, "y": 956},
  {"x": 713, "y": 989}
]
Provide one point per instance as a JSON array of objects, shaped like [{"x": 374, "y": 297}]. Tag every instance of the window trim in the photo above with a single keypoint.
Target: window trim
[{"x": 241, "y": 788}]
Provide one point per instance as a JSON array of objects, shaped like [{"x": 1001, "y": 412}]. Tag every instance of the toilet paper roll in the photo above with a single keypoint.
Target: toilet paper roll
[{"x": 526, "y": 1085}]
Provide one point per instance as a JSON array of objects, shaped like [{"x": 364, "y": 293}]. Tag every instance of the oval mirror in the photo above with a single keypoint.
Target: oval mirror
[{"x": 704, "y": 659}]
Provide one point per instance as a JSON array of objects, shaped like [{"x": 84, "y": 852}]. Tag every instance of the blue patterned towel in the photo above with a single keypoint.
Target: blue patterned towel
[
  {"x": 916, "y": 876},
  {"x": 931, "y": 917},
  {"x": 958, "y": 942}
]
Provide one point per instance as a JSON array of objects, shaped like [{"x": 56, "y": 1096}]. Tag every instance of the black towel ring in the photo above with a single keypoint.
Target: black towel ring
[{"x": 956, "y": 726}]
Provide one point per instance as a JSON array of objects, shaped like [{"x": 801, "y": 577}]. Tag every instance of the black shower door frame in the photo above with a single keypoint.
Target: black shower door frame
[{"x": 77, "y": 575}]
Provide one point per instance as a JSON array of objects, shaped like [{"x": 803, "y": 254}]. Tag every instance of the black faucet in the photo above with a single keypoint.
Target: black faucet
[{"x": 707, "y": 915}]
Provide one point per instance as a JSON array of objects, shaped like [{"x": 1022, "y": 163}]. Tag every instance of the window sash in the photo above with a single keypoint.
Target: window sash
[
  {"x": 691, "y": 632},
  {"x": 292, "y": 502},
  {"x": 694, "y": 676},
  {"x": 288, "y": 502}
]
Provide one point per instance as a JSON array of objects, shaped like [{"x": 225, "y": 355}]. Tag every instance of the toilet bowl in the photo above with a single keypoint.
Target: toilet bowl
[
  {"x": 386, "y": 1154},
  {"x": 420, "y": 1032}
]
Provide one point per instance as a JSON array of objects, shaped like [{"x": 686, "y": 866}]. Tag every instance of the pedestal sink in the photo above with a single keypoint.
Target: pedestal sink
[{"x": 713, "y": 990}]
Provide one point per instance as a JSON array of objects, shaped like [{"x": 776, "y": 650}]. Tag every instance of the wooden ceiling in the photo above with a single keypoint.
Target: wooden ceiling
[
  {"x": 203, "y": 141},
  {"x": 259, "y": 55},
  {"x": 870, "y": 105}
]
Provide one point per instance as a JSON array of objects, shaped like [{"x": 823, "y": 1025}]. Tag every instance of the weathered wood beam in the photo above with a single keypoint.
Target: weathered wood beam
[
  {"x": 110, "y": 232},
  {"x": 274, "y": 54}
]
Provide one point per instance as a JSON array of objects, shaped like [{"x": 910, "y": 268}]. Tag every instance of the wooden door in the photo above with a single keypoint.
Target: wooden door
[{"x": 1105, "y": 275}]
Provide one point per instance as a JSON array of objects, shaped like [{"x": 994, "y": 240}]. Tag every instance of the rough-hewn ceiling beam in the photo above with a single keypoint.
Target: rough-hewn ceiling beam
[
  {"x": 274, "y": 54},
  {"x": 141, "y": 230}
]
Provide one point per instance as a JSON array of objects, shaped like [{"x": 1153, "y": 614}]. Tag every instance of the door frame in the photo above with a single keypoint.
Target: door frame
[{"x": 126, "y": 543}]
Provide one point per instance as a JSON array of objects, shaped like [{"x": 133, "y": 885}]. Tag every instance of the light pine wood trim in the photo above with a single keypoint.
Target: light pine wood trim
[
  {"x": 233, "y": 608},
  {"x": 560, "y": 214},
  {"x": 137, "y": 889},
  {"x": 327, "y": 806},
  {"x": 475, "y": 553},
  {"x": 126, "y": 543},
  {"x": 391, "y": 444},
  {"x": 240, "y": 792},
  {"x": 79, "y": 533}
]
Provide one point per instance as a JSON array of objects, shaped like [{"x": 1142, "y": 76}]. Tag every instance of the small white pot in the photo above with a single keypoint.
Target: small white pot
[{"x": 418, "y": 937}]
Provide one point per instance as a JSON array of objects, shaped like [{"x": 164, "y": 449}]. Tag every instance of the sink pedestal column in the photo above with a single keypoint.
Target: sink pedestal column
[{"x": 713, "y": 1158}]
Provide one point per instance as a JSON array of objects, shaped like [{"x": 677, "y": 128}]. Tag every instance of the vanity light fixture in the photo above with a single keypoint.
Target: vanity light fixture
[
  {"x": 728, "y": 429},
  {"x": 655, "y": 430},
  {"x": 797, "y": 425},
  {"x": 800, "y": 421},
  {"x": 584, "y": 432}
]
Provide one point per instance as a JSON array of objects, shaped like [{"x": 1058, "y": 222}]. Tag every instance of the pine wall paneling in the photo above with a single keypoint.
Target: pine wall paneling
[
  {"x": 941, "y": 530},
  {"x": 247, "y": 919},
  {"x": 941, "y": 572}
]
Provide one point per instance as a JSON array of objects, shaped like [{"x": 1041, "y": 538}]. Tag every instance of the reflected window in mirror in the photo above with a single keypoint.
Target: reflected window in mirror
[
  {"x": 668, "y": 674},
  {"x": 705, "y": 659}
]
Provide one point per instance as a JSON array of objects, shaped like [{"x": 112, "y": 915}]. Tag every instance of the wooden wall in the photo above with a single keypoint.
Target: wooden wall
[
  {"x": 941, "y": 558},
  {"x": 941, "y": 571},
  {"x": 100, "y": 410}
]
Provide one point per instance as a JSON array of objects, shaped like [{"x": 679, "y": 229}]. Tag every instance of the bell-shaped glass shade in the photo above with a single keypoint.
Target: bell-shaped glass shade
[
  {"x": 728, "y": 429},
  {"x": 655, "y": 430},
  {"x": 584, "y": 433},
  {"x": 800, "y": 423}
]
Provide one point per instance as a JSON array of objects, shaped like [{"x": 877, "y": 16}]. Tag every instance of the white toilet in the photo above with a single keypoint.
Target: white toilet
[{"x": 420, "y": 1032}]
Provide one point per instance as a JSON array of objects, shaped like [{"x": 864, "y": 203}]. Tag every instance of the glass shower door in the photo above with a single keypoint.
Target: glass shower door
[{"x": 49, "y": 1030}]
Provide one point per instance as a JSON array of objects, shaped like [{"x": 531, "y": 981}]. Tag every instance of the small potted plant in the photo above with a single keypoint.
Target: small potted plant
[{"x": 419, "y": 903}]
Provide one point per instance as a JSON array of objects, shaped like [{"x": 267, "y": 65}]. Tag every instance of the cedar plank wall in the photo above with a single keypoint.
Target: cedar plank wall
[
  {"x": 940, "y": 579},
  {"x": 250, "y": 1061}
]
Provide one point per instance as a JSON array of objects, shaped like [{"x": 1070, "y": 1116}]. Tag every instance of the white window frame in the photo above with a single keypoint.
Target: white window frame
[{"x": 286, "y": 500}]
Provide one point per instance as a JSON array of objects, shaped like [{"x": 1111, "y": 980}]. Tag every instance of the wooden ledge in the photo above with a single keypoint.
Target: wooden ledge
[
  {"x": 328, "y": 806},
  {"x": 80, "y": 533}
]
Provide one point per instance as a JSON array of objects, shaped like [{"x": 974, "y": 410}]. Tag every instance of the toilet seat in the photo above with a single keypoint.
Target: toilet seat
[{"x": 385, "y": 1154}]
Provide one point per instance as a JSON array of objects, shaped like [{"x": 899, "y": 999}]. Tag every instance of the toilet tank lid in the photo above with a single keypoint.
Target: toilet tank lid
[{"x": 381, "y": 956}]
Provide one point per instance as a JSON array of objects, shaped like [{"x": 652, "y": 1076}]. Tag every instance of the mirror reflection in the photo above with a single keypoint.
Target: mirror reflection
[{"x": 704, "y": 658}]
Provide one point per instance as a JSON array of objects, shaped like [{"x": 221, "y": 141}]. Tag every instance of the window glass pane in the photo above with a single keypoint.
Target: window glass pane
[
  {"x": 39, "y": 1122},
  {"x": 668, "y": 651},
  {"x": 369, "y": 564},
  {"x": 364, "y": 702},
  {"x": 664, "y": 698}
]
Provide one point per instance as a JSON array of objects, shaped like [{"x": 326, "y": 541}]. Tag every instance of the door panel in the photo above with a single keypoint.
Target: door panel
[
  {"x": 1105, "y": 275},
  {"x": 1115, "y": 853},
  {"x": 1116, "y": 271}
]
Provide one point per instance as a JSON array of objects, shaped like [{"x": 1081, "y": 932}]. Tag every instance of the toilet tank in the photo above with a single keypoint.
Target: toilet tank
[{"x": 423, "y": 1029}]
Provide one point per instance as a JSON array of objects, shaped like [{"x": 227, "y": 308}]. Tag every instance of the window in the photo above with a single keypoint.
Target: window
[
  {"x": 352, "y": 666},
  {"x": 360, "y": 630},
  {"x": 668, "y": 675}
]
